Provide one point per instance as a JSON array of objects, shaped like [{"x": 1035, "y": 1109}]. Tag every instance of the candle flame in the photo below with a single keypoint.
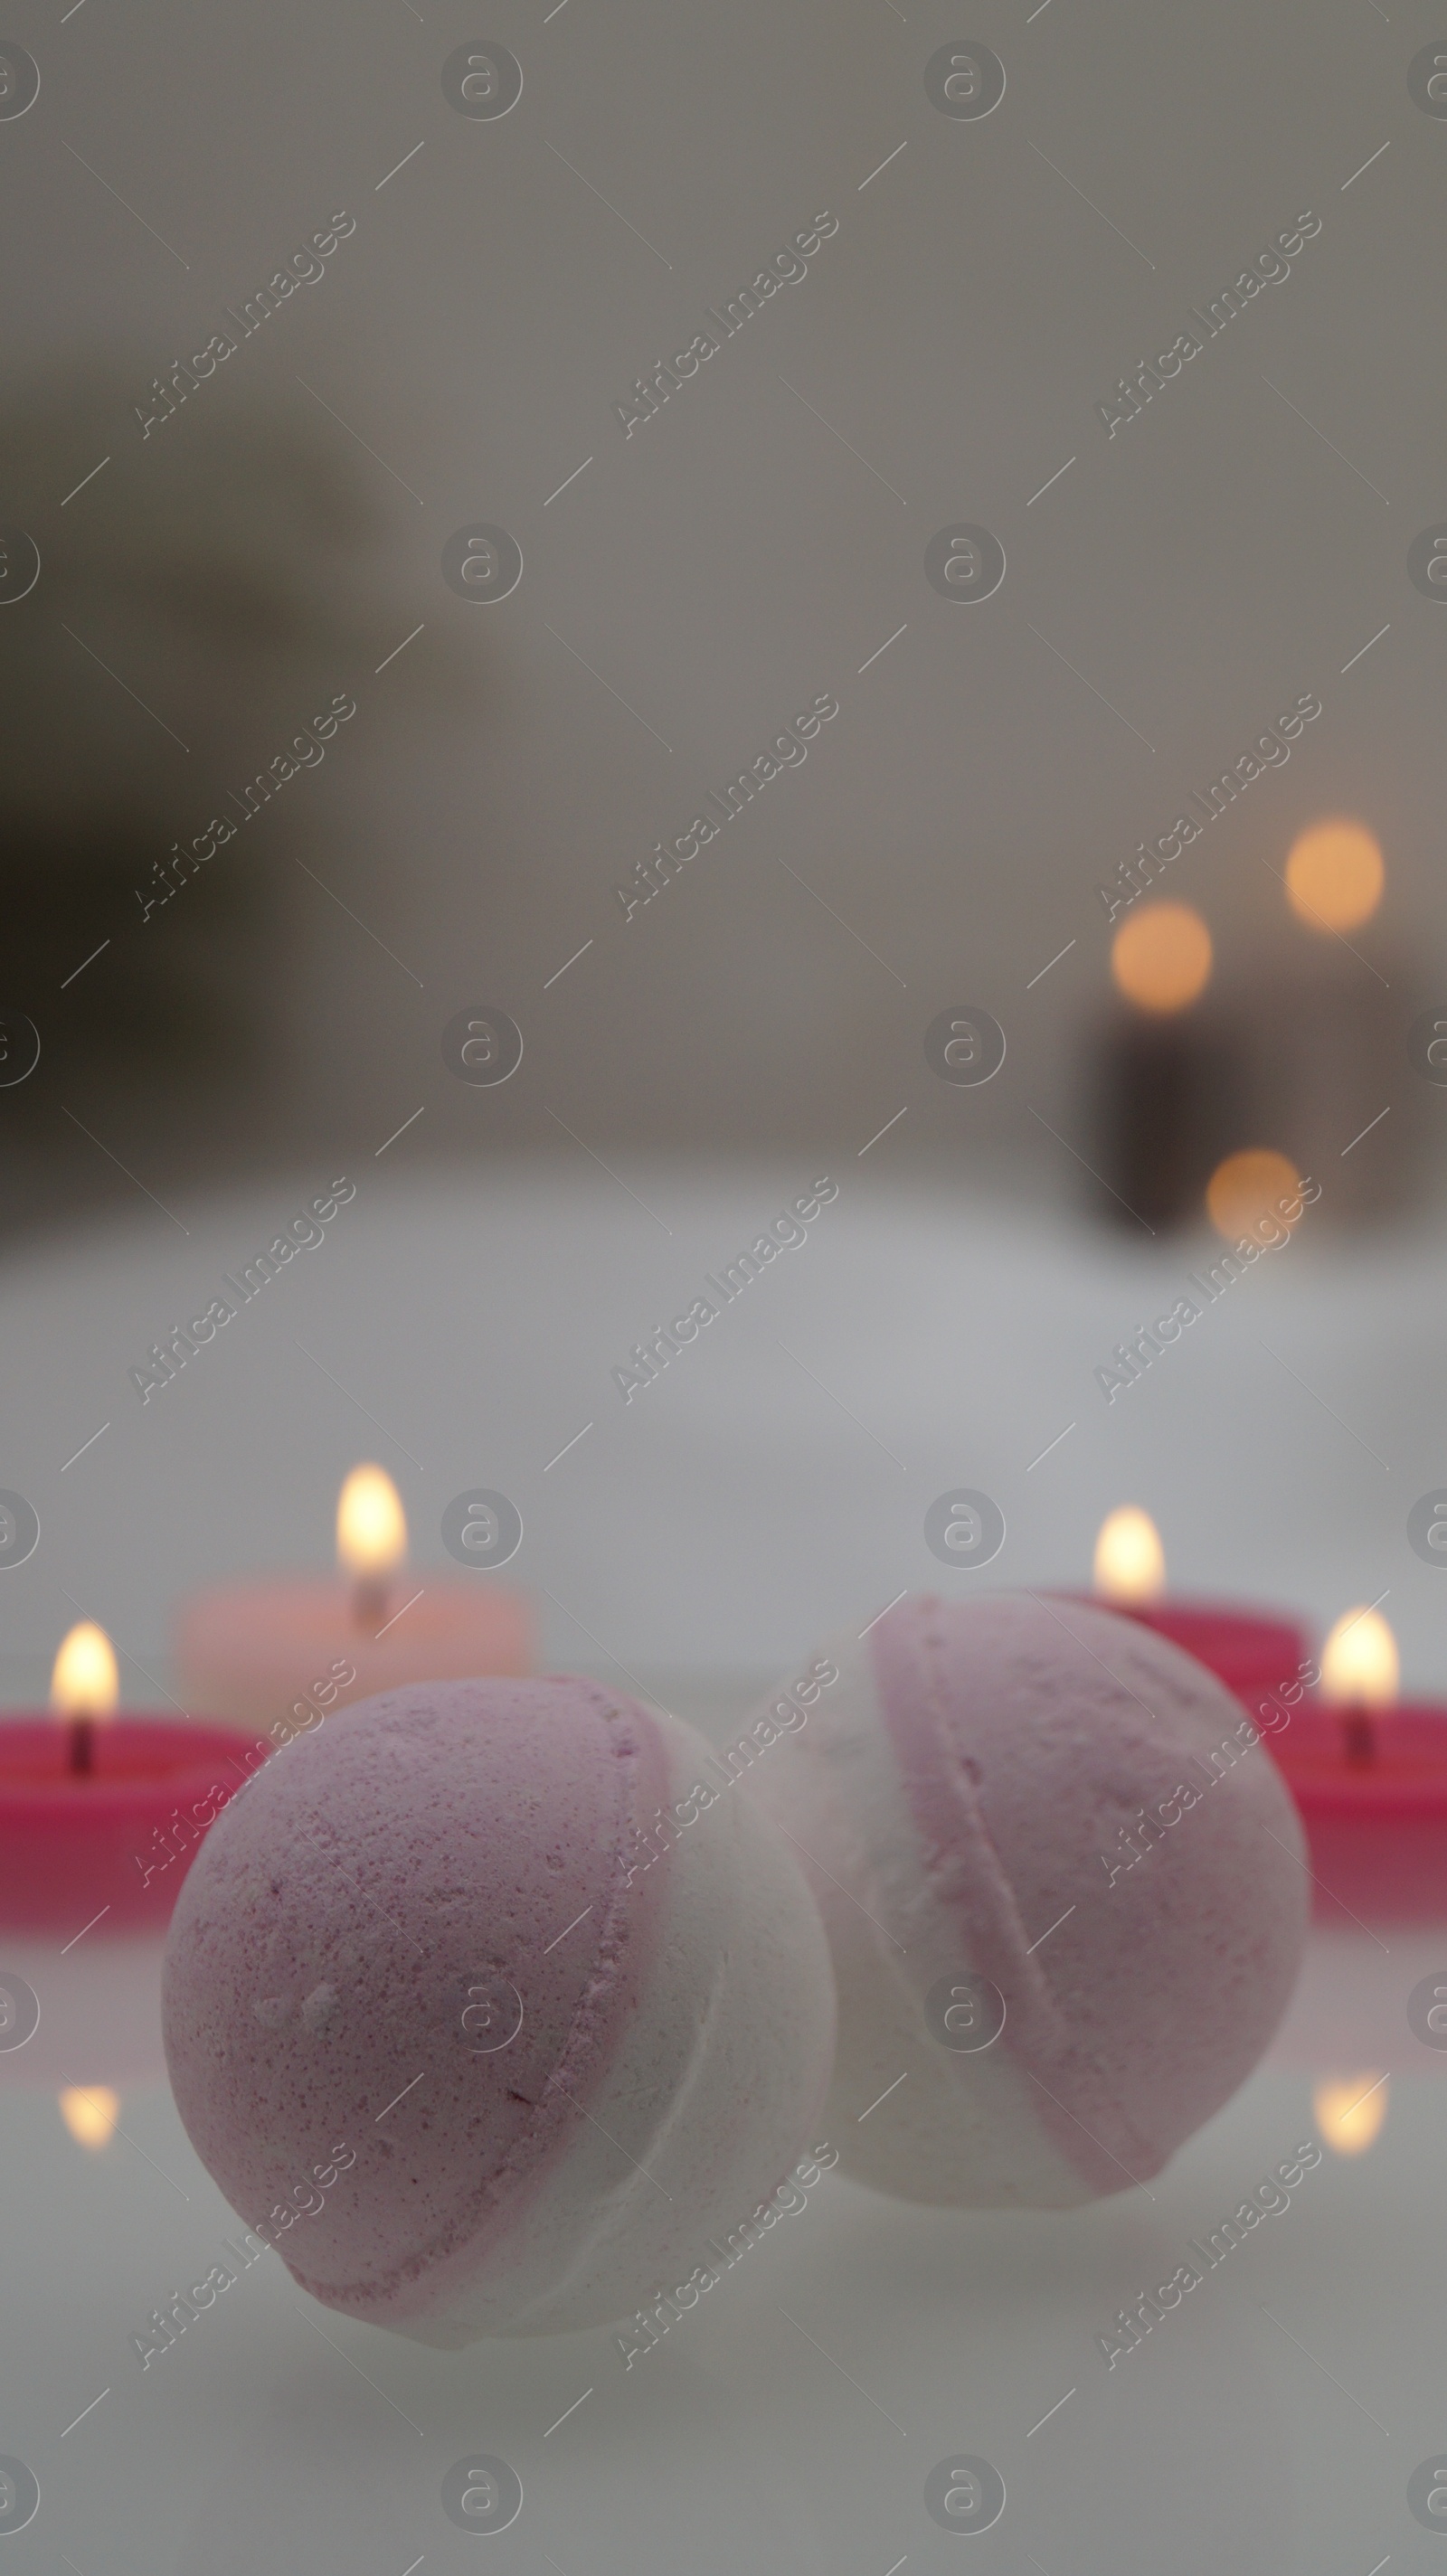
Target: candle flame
[
  {"x": 1130, "y": 1562},
  {"x": 1247, "y": 1193},
  {"x": 1335, "y": 874},
  {"x": 90, "y": 2112},
  {"x": 1161, "y": 957},
  {"x": 371, "y": 1524},
  {"x": 1359, "y": 1662},
  {"x": 1349, "y": 2111},
  {"x": 85, "y": 1682}
]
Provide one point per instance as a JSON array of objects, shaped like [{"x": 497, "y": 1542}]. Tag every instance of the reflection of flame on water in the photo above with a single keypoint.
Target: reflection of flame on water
[
  {"x": 1130, "y": 1562},
  {"x": 90, "y": 2112},
  {"x": 1349, "y": 2111}
]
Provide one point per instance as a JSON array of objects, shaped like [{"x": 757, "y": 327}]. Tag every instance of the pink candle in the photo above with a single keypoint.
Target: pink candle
[{"x": 278, "y": 1656}]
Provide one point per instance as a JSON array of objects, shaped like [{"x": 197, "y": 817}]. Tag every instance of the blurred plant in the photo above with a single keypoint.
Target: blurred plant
[{"x": 197, "y": 600}]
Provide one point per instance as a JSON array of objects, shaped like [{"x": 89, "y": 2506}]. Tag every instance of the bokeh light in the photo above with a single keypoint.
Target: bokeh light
[
  {"x": 1161, "y": 957},
  {"x": 1335, "y": 874},
  {"x": 1349, "y": 2111},
  {"x": 1244, "y": 1194},
  {"x": 90, "y": 2112}
]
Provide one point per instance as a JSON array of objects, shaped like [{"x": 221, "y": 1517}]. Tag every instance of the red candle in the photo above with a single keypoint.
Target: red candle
[
  {"x": 100, "y": 1814},
  {"x": 1369, "y": 1775},
  {"x": 1377, "y": 1830},
  {"x": 1251, "y": 1651},
  {"x": 115, "y": 1842},
  {"x": 278, "y": 1656}
]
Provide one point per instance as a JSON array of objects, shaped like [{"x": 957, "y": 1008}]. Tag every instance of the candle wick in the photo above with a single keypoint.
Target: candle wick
[
  {"x": 369, "y": 1601},
  {"x": 1361, "y": 1737},
  {"x": 80, "y": 1736}
]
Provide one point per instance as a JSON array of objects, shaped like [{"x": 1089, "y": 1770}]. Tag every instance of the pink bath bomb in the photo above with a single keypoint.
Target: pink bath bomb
[
  {"x": 1064, "y": 1887},
  {"x": 483, "y": 2045}
]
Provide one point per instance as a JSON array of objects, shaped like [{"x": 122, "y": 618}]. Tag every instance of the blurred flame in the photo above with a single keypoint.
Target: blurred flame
[
  {"x": 1335, "y": 874},
  {"x": 1245, "y": 1193},
  {"x": 90, "y": 2112},
  {"x": 1359, "y": 1662},
  {"x": 1349, "y": 2111},
  {"x": 371, "y": 1524},
  {"x": 85, "y": 1682},
  {"x": 1130, "y": 1562},
  {"x": 1161, "y": 957}
]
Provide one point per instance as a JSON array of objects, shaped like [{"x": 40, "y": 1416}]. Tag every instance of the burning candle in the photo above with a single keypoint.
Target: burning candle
[
  {"x": 281, "y": 1655},
  {"x": 1369, "y": 1774},
  {"x": 100, "y": 1817},
  {"x": 96, "y": 1808},
  {"x": 1248, "y": 1651}
]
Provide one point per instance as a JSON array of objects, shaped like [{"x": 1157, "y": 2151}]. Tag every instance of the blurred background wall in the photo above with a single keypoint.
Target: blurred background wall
[{"x": 277, "y": 539}]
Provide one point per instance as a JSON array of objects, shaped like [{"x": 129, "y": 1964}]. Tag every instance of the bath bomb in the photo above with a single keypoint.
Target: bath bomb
[
  {"x": 1064, "y": 1888},
  {"x": 490, "y": 2010}
]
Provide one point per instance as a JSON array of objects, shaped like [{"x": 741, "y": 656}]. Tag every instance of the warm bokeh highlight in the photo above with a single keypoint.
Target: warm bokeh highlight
[
  {"x": 90, "y": 2112},
  {"x": 1349, "y": 2111},
  {"x": 1161, "y": 957},
  {"x": 1335, "y": 874},
  {"x": 1244, "y": 1193}
]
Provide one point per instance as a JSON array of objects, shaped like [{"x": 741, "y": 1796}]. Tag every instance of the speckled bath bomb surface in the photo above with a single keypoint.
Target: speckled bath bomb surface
[
  {"x": 424, "y": 1935},
  {"x": 1049, "y": 1801}
]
